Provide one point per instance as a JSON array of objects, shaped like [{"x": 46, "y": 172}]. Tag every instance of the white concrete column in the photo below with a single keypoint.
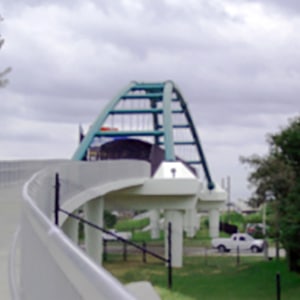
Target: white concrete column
[
  {"x": 154, "y": 223},
  {"x": 214, "y": 217},
  {"x": 175, "y": 217},
  {"x": 94, "y": 211},
  {"x": 190, "y": 222},
  {"x": 70, "y": 227}
]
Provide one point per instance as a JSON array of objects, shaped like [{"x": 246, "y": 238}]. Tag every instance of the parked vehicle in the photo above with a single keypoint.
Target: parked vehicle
[
  {"x": 241, "y": 241},
  {"x": 256, "y": 230}
]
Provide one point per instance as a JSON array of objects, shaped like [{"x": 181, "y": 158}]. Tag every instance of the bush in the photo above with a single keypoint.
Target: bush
[{"x": 109, "y": 219}]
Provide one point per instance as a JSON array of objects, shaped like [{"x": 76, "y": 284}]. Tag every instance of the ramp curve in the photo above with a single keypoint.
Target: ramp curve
[{"x": 51, "y": 265}]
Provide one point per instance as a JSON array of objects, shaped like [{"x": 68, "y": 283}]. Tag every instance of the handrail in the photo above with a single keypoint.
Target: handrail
[
  {"x": 59, "y": 243},
  {"x": 74, "y": 272},
  {"x": 119, "y": 238},
  {"x": 58, "y": 209}
]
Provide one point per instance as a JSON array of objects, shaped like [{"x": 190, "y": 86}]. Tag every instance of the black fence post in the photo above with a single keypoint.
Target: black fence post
[
  {"x": 56, "y": 202},
  {"x": 144, "y": 252},
  {"x": 170, "y": 255},
  {"x": 278, "y": 286}
]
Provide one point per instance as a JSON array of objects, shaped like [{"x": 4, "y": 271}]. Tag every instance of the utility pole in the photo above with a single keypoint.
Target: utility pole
[{"x": 228, "y": 194}]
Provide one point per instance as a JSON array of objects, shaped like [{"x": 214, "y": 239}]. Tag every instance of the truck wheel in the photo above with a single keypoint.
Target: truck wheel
[
  {"x": 222, "y": 249},
  {"x": 254, "y": 249}
]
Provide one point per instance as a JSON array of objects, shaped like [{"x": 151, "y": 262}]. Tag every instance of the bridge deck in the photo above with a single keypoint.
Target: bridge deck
[{"x": 9, "y": 218}]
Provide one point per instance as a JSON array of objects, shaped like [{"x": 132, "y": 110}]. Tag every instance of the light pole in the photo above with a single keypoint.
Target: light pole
[
  {"x": 266, "y": 255},
  {"x": 268, "y": 197}
]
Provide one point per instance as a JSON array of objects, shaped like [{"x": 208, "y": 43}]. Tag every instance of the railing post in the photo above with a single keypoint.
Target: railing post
[
  {"x": 56, "y": 200},
  {"x": 169, "y": 255},
  {"x": 278, "y": 286}
]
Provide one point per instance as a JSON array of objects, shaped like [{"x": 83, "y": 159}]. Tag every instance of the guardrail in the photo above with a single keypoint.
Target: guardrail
[
  {"x": 144, "y": 250},
  {"x": 51, "y": 265}
]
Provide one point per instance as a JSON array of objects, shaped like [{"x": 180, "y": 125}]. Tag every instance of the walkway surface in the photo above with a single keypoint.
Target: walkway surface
[{"x": 9, "y": 218}]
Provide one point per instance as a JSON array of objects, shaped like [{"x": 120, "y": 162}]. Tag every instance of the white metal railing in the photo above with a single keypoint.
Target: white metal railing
[{"x": 51, "y": 265}]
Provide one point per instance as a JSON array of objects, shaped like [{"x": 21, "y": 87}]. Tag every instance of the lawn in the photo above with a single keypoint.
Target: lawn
[{"x": 213, "y": 277}]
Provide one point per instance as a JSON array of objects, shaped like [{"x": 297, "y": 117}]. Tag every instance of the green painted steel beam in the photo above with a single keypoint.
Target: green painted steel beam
[
  {"x": 137, "y": 111},
  {"x": 155, "y": 118},
  {"x": 161, "y": 99},
  {"x": 143, "y": 96},
  {"x": 178, "y": 111},
  {"x": 179, "y": 126},
  {"x": 210, "y": 183},
  {"x": 147, "y": 86},
  {"x": 128, "y": 133},
  {"x": 167, "y": 119},
  {"x": 184, "y": 143},
  {"x": 164, "y": 92},
  {"x": 194, "y": 162},
  {"x": 143, "y": 111},
  {"x": 80, "y": 152}
]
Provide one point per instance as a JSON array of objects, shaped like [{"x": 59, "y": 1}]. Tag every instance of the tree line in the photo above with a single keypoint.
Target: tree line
[{"x": 275, "y": 178}]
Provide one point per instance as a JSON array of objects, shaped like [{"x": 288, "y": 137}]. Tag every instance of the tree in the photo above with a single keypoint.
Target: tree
[
  {"x": 109, "y": 219},
  {"x": 3, "y": 80},
  {"x": 276, "y": 177}
]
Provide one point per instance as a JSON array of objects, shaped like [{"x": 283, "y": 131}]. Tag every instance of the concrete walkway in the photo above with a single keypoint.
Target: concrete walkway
[{"x": 9, "y": 218}]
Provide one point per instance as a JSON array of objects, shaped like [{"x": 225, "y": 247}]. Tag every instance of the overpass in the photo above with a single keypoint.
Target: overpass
[{"x": 141, "y": 153}]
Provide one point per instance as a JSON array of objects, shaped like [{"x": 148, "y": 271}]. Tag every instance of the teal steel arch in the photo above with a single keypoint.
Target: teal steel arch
[{"x": 165, "y": 104}]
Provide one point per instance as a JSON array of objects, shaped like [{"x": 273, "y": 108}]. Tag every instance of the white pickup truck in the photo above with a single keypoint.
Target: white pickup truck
[{"x": 241, "y": 241}]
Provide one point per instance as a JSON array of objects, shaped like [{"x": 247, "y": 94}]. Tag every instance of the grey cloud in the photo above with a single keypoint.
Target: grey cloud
[
  {"x": 291, "y": 7},
  {"x": 69, "y": 60}
]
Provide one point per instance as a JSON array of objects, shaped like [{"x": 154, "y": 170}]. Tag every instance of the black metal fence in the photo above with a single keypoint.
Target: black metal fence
[{"x": 125, "y": 242}]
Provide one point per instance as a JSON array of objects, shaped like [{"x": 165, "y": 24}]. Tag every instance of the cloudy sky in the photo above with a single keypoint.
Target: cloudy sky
[{"x": 236, "y": 62}]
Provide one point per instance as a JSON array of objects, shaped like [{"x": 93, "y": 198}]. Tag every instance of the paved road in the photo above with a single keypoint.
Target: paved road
[
  {"x": 116, "y": 247},
  {"x": 203, "y": 251}
]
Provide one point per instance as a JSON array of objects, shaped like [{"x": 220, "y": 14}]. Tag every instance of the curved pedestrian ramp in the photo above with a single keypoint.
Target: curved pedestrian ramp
[
  {"x": 51, "y": 265},
  {"x": 128, "y": 160}
]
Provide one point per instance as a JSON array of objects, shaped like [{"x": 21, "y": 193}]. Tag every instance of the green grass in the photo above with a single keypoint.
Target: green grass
[
  {"x": 211, "y": 277},
  {"x": 131, "y": 225}
]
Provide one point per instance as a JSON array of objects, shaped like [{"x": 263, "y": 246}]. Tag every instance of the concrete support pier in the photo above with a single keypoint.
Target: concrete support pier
[
  {"x": 94, "y": 211},
  {"x": 214, "y": 216},
  {"x": 154, "y": 223},
  {"x": 175, "y": 217},
  {"x": 190, "y": 222}
]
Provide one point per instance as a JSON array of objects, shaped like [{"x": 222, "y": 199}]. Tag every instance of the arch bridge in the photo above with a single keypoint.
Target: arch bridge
[{"x": 141, "y": 153}]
